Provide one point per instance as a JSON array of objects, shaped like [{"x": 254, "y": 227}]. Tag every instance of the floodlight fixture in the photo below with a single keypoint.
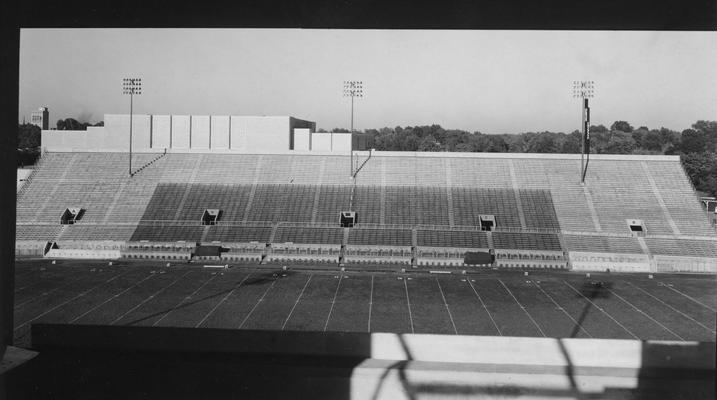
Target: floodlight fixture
[
  {"x": 583, "y": 89},
  {"x": 132, "y": 87}
]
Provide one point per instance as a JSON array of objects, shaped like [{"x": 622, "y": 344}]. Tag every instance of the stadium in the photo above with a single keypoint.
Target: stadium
[{"x": 241, "y": 228}]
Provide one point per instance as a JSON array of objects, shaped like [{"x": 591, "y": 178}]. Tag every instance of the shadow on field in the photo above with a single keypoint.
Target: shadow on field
[{"x": 253, "y": 279}]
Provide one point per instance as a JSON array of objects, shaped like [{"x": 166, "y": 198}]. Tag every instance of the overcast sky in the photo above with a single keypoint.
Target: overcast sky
[{"x": 488, "y": 81}]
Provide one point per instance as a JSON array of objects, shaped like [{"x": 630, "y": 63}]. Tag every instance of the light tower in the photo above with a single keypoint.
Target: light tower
[
  {"x": 131, "y": 86},
  {"x": 353, "y": 89},
  {"x": 584, "y": 90}
]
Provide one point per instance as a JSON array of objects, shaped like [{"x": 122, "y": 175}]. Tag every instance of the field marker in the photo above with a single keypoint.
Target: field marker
[
  {"x": 602, "y": 310},
  {"x": 689, "y": 297},
  {"x": 149, "y": 298},
  {"x": 673, "y": 308},
  {"x": 408, "y": 301},
  {"x": 524, "y": 309},
  {"x": 562, "y": 309},
  {"x": 44, "y": 294},
  {"x": 485, "y": 307},
  {"x": 333, "y": 301},
  {"x": 181, "y": 302},
  {"x": 446, "y": 304},
  {"x": 68, "y": 301},
  {"x": 645, "y": 314},
  {"x": 112, "y": 298},
  {"x": 370, "y": 305},
  {"x": 220, "y": 302},
  {"x": 297, "y": 301},
  {"x": 257, "y": 304}
]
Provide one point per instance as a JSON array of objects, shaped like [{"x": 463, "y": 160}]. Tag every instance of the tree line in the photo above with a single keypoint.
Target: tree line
[{"x": 696, "y": 146}]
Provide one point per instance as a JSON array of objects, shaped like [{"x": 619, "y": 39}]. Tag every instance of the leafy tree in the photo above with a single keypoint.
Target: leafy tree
[
  {"x": 340, "y": 130},
  {"x": 693, "y": 141},
  {"x": 429, "y": 143},
  {"x": 572, "y": 143},
  {"x": 544, "y": 142},
  {"x": 702, "y": 170},
  {"x": 620, "y": 143},
  {"x": 598, "y": 129},
  {"x": 60, "y": 124},
  {"x": 28, "y": 136},
  {"x": 652, "y": 141},
  {"x": 709, "y": 128},
  {"x": 622, "y": 126}
]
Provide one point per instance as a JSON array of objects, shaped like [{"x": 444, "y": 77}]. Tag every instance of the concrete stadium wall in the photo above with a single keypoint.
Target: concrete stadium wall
[
  {"x": 199, "y": 132},
  {"x": 321, "y": 142},
  {"x": 161, "y": 131},
  {"x": 295, "y": 123},
  {"x": 219, "y": 133},
  {"x": 180, "y": 131},
  {"x": 587, "y": 261},
  {"x": 118, "y": 125},
  {"x": 237, "y": 139},
  {"x": 265, "y": 133},
  {"x": 685, "y": 264},
  {"x": 342, "y": 143},
  {"x": 302, "y": 139}
]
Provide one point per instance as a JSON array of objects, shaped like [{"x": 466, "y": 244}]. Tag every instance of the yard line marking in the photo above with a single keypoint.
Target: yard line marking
[
  {"x": 68, "y": 301},
  {"x": 43, "y": 294},
  {"x": 408, "y": 301},
  {"x": 645, "y": 314},
  {"x": 673, "y": 308},
  {"x": 112, "y": 298},
  {"x": 183, "y": 300},
  {"x": 297, "y": 301},
  {"x": 148, "y": 298},
  {"x": 257, "y": 304},
  {"x": 524, "y": 309},
  {"x": 446, "y": 304},
  {"x": 602, "y": 310},
  {"x": 690, "y": 297},
  {"x": 370, "y": 305},
  {"x": 485, "y": 307},
  {"x": 222, "y": 300},
  {"x": 326, "y": 325},
  {"x": 562, "y": 309},
  {"x": 32, "y": 283}
]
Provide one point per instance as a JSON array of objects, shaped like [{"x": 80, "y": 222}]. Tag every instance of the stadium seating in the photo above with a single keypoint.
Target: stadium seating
[
  {"x": 526, "y": 241},
  {"x": 443, "y": 238},
  {"x": 682, "y": 247},
  {"x": 605, "y": 244},
  {"x": 298, "y": 198}
]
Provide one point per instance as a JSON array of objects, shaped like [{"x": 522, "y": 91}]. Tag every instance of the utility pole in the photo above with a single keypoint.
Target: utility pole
[{"x": 131, "y": 86}]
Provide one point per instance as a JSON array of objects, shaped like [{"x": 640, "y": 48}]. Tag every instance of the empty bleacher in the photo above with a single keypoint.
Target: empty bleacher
[
  {"x": 470, "y": 203},
  {"x": 373, "y": 237},
  {"x": 604, "y": 244},
  {"x": 258, "y": 194},
  {"x": 682, "y": 247},
  {"x": 289, "y": 234},
  {"x": 238, "y": 234},
  {"x": 526, "y": 241},
  {"x": 37, "y": 232},
  {"x": 167, "y": 233},
  {"x": 454, "y": 238}
]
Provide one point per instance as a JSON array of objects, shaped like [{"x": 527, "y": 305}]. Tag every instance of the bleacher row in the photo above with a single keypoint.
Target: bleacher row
[{"x": 295, "y": 198}]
